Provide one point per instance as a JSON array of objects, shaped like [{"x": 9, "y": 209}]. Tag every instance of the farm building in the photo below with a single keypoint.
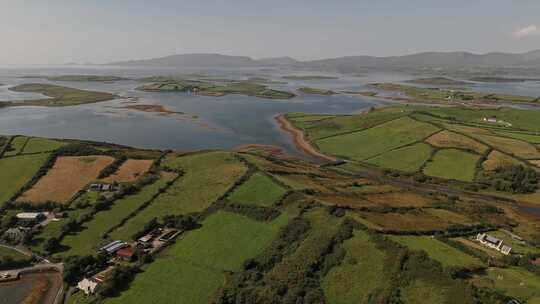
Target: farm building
[
  {"x": 126, "y": 253},
  {"x": 493, "y": 242},
  {"x": 32, "y": 216},
  {"x": 103, "y": 188},
  {"x": 113, "y": 247},
  {"x": 88, "y": 286}
]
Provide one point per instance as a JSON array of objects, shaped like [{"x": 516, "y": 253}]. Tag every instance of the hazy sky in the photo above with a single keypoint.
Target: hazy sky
[{"x": 59, "y": 31}]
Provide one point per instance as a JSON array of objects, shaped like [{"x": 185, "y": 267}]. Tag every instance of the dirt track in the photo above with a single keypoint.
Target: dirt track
[{"x": 300, "y": 140}]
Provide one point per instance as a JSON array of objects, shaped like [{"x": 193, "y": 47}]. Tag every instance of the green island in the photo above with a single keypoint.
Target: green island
[
  {"x": 309, "y": 77},
  {"x": 438, "y": 95},
  {"x": 438, "y": 81},
  {"x": 214, "y": 89},
  {"x": 80, "y": 78},
  {"x": 258, "y": 226},
  {"x": 315, "y": 91},
  {"x": 58, "y": 96}
]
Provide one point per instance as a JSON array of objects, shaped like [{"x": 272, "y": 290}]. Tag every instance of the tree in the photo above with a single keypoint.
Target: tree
[{"x": 52, "y": 245}]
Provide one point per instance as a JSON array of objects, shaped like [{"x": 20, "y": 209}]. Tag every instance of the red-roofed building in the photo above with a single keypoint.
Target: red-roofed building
[{"x": 126, "y": 253}]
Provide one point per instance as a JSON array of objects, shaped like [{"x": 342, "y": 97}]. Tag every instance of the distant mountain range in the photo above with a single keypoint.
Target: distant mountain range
[{"x": 350, "y": 63}]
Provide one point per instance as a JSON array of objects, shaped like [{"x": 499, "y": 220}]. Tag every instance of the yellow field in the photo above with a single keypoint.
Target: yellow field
[
  {"x": 497, "y": 159},
  {"x": 130, "y": 171},
  {"x": 68, "y": 175},
  {"x": 447, "y": 139}
]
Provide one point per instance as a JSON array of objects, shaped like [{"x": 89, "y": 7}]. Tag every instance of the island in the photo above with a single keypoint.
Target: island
[
  {"x": 309, "y": 77},
  {"x": 80, "y": 78},
  {"x": 448, "y": 96},
  {"x": 216, "y": 89},
  {"x": 502, "y": 79},
  {"x": 315, "y": 91},
  {"x": 438, "y": 81},
  {"x": 58, "y": 96}
]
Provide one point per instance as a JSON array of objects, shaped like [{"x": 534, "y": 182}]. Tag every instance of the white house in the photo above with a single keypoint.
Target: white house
[
  {"x": 88, "y": 286},
  {"x": 493, "y": 242}
]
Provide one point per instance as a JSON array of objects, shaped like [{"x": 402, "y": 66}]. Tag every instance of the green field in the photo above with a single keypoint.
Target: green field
[
  {"x": 12, "y": 254},
  {"x": 377, "y": 140},
  {"x": 408, "y": 159},
  {"x": 453, "y": 164},
  {"x": 89, "y": 240},
  {"x": 360, "y": 273},
  {"x": 59, "y": 96},
  {"x": 16, "y": 145},
  {"x": 319, "y": 126},
  {"x": 447, "y": 255},
  {"x": 259, "y": 189},
  {"x": 17, "y": 171},
  {"x": 191, "y": 270},
  {"x": 514, "y": 282},
  {"x": 207, "y": 177},
  {"x": 37, "y": 145}
]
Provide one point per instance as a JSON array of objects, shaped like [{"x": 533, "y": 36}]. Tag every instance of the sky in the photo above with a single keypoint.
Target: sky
[{"x": 100, "y": 31}]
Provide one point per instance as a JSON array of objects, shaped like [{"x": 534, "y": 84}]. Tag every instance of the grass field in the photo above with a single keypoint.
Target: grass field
[
  {"x": 377, "y": 140},
  {"x": 60, "y": 96},
  {"x": 514, "y": 282},
  {"x": 423, "y": 292},
  {"x": 318, "y": 126},
  {"x": 523, "y": 136},
  {"x": 259, "y": 189},
  {"x": 37, "y": 145},
  {"x": 207, "y": 177},
  {"x": 439, "y": 251},
  {"x": 17, "y": 171},
  {"x": 360, "y": 274},
  {"x": 516, "y": 147},
  {"x": 399, "y": 199},
  {"x": 90, "y": 238},
  {"x": 130, "y": 171},
  {"x": 191, "y": 270},
  {"x": 447, "y": 139},
  {"x": 452, "y": 164},
  {"x": 12, "y": 254},
  {"x": 68, "y": 175},
  {"x": 16, "y": 145},
  {"x": 408, "y": 159},
  {"x": 417, "y": 220}
]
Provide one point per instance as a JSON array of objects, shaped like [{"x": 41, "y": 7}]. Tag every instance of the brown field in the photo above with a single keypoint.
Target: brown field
[
  {"x": 511, "y": 146},
  {"x": 535, "y": 162},
  {"x": 399, "y": 199},
  {"x": 300, "y": 182},
  {"x": 68, "y": 175},
  {"x": 417, "y": 220},
  {"x": 477, "y": 246},
  {"x": 130, "y": 171},
  {"x": 447, "y": 139},
  {"x": 466, "y": 129},
  {"x": 346, "y": 201},
  {"x": 497, "y": 159}
]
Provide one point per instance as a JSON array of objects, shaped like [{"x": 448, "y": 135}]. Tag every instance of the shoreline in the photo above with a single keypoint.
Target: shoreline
[{"x": 300, "y": 141}]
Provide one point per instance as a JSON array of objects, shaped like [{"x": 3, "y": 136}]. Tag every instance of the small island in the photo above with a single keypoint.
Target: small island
[
  {"x": 502, "y": 79},
  {"x": 309, "y": 77},
  {"x": 314, "y": 91},
  {"x": 59, "y": 96},
  {"x": 438, "y": 81},
  {"x": 215, "y": 89},
  {"x": 80, "y": 78}
]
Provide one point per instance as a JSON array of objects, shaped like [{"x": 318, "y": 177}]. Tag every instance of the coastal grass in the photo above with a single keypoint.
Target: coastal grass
[
  {"x": 192, "y": 269},
  {"x": 359, "y": 275},
  {"x": 408, "y": 159},
  {"x": 379, "y": 139},
  {"x": 259, "y": 189},
  {"x": 453, "y": 164},
  {"x": 17, "y": 171},
  {"x": 59, "y": 96},
  {"x": 207, "y": 176},
  {"x": 447, "y": 255},
  {"x": 39, "y": 145},
  {"x": 16, "y": 145},
  {"x": 68, "y": 175},
  {"x": 87, "y": 241}
]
